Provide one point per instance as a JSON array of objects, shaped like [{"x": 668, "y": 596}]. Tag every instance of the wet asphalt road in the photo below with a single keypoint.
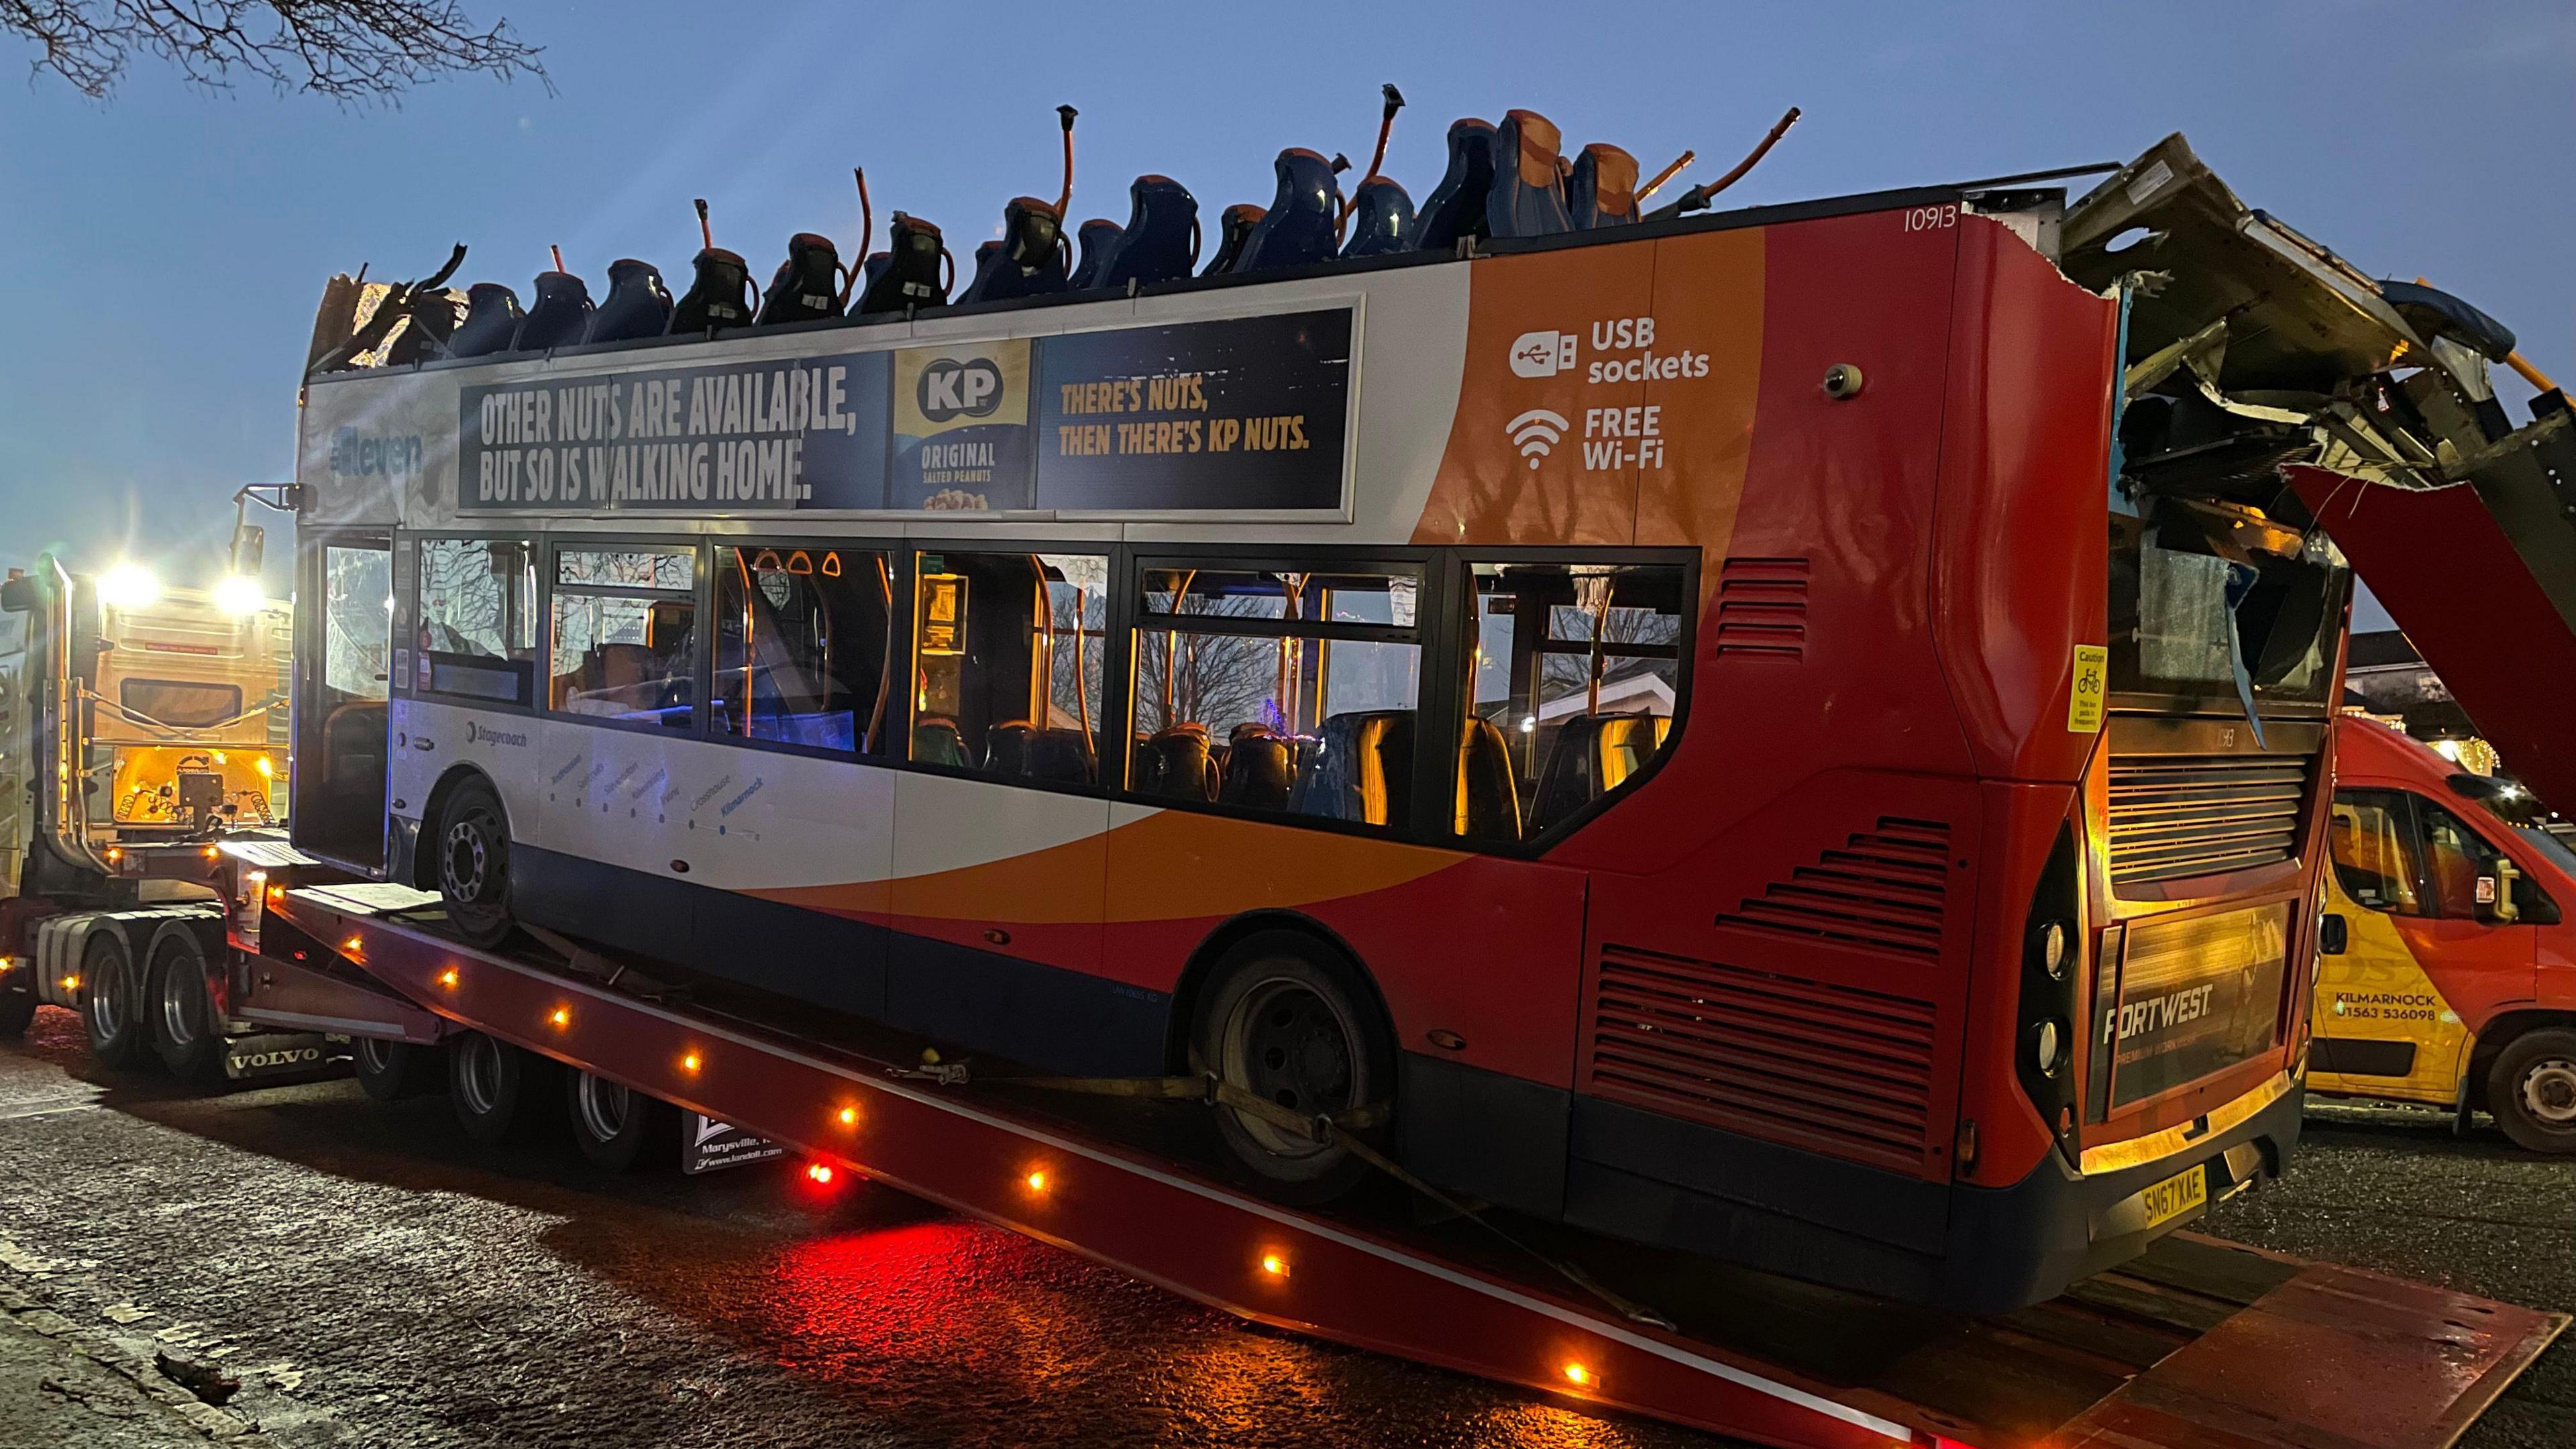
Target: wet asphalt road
[{"x": 374, "y": 1279}]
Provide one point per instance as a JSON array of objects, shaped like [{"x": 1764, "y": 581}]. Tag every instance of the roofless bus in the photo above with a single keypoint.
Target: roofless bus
[{"x": 1689, "y": 728}]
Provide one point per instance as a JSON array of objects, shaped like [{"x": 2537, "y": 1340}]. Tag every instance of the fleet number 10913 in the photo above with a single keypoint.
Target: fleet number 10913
[{"x": 1932, "y": 218}]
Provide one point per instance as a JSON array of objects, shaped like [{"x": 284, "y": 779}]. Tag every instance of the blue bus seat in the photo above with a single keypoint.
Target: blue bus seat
[
  {"x": 1303, "y": 217},
  {"x": 1528, "y": 195},
  {"x": 1028, "y": 261},
  {"x": 1260, "y": 772},
  {"x": 638, "y": 305},
  {"x": 560, "y": 316},
  {"x": 1177, "y": 763},
  {"x": 1382, "y": 219},
  {"x": 1160, "y": 242},
  {"x": 1489, "y": 802},
  {"x": 719, "y": 294},
  {"x": 910, "y": 276},
  {"x": 1233, "y": 228},
  {"x": 492, "y": 318},
  {"x": 1361, "y": 769},
  {"x": 1456, "y": 207},
  {"x": 1097, "y": 239},
  {"x": 807, "y": 286},
  {"x": 1602, "y": 188},
  {"x": 1593, "y": 753}
]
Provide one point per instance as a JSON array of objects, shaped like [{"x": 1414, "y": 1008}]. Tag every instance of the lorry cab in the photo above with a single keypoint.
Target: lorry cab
[{"x": 2447, "y": 964}]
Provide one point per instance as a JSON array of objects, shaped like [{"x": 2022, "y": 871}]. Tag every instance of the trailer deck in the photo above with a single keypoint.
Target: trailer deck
[{"x": 2199, "y": 1343}]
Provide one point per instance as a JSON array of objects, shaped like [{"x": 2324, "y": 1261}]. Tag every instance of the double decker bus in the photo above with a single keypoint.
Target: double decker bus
[{"x": 1692, "y": 730}]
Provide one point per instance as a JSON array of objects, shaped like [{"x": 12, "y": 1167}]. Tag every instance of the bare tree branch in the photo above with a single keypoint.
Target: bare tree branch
[{"x": 353, "y": 51}]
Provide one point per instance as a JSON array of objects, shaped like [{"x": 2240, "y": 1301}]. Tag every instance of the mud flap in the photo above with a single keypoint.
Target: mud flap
[
  {"x": 262, "y": 1056},
  {"x": 707, "y": 1145}
]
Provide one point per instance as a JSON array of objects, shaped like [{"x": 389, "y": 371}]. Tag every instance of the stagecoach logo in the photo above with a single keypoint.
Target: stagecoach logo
[
  {"x": 951, "y": 389},
  {"x": 483, "y": 734}
]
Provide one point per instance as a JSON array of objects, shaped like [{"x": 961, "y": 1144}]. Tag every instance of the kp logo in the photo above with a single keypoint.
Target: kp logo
[
  {"x": 953, "y": 389},
  {"x": 1543, "y": 354}
]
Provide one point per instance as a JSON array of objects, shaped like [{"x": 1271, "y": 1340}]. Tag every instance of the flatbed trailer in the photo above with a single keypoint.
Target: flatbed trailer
[{"x": 2199, "y": 1343}]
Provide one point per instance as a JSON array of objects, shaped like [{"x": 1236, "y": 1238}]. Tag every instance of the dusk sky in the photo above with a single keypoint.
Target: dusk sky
[{"x": 162, "y": 252}]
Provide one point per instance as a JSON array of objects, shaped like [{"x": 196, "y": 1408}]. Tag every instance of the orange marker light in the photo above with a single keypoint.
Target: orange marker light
[
  {"x": 277, "y": 893},
  {"x": 1037, "y": 1181},
  {"x": 689, "y": 1063},
  {"x": 1580, "y": 1376},
  {"x": 447, "y": 977},
  {"x": 210, "y": 852},
  {"x": 352, "y": 944},
  {"x": 849, "y": 1116},
  {"x": 1274, "y": 1265},
  {"x": 562, "y": 1016},
  {"x": 70, "y": 983},
  {"x": 821, "y": 1172}
]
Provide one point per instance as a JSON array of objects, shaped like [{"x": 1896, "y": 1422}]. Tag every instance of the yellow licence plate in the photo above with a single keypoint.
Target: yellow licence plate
[{"x": 2175, "y": 1196}]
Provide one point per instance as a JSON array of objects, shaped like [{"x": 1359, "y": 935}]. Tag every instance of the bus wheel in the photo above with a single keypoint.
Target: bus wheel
[
  {"x": 618, "y": 1128},
  {"x": 1281, "y": 1020},
  {"x": 110, "y": 1001},
  {"x": 488, "y": 1081},
  {"x": 2532, "y": 1090},
  {"x": 390, "y": 1070},
  {"x": 182, "y": 1012},
  {"x": 474, "y": 864}
]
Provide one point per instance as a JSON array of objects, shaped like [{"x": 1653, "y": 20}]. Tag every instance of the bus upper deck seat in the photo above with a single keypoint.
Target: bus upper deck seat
[
  {"x": 1489, "y": 803},
  {"x": 807, "y": 287},
  {"x": 1019, "y": 748},
  {"x": 719, "y": 294},
  {"x": 912, "y": 275},
  {"x": 936, "y": 741},
  {"x": 1233, "y": 228},
  {"x": 1602, "y": 188},
  {"x": 1381, "y": 219},
  {"x": 1303, "y": 217},
  {"x": 637, "y": 305},
  {"x": 491, "y": 325},
  {"x": 1456, "y": 207},
  {"x": 560, "y": 315},
  {"x": 1177, "y": 763},
  {"x": 434, "y": 316},
  {"x": 1160, "y": 242},
  {"x": 1593, "y": 753},
  {"x": 1097, "y": 239},
  {"x": 1360, "y": 769},
  {"x": 1528, "y": 194},
  {"x": 1260, "y": 772},
  {"x": 1028, "y": 260}
]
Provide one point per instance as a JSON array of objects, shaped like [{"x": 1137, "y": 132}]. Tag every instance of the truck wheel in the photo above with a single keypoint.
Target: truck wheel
[
  {"x": 181, "y": 1012},
  {"x": 618, "y": 1128},
  {"x": 110, "y": 1001},
  {"x": 474, "y": 863},
  {"x": 489, "y": 1081},
  {"x": 390, "y": 1070},
  {"x": 17, "y": 1009},
  {"x": 2532, "y": 1090},
  {"x": 1286, "y": 1021}
]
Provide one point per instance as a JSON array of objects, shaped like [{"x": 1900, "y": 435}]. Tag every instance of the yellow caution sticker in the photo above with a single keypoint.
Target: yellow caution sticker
[
  {"x": 2175, "y": 1196},
  {"x": 2092, "y": 678}
]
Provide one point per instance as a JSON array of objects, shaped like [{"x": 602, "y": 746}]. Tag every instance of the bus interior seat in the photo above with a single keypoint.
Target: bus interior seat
[
  {"x": 1602, "y": 188},
  {"x": 1361, "y": 769},
  {"x": 1528, "y": 194},
  {"x": 936, "y": 741},
  {"x": 1456, "y": 207},
  {"x": 918, "y": 270},
  {"x": 638, "y": 304},
  {"x": 1233, "y": 226},
  {"x": 807, "y": 286},
  {"x": 1381, "y": 219},
  {"x": 1177, "y": 762},
  {"x": 1006, "y": 747},
  {"x": 719, "y": 294},
  {"x": 1027, "y": 261},
  {"x": 491, "y": 325},
  {"x": 1593, "y": 753},
  {"x": 434, "y": 315},
  {"x": 1260, "y": 771},
  {"x": 1160, "y": 242},
  {"x": 1489, "y": 803},
  {"x": 560, "y": 315},
  {"x": 1096, "y": 240},
  {"x": 1062, "y": 754},
  {"x": 1299, "y": 227}
]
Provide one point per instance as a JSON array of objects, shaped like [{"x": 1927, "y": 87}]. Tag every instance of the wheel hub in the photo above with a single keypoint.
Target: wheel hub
[
  {"x": 2549, "y": 1092},
  {"x": 604, "y": 1107},
  {"x": 1286, "y": 1044},
  {"x": 464, "y": 861},
  {"x": 178, "y": 1007},
  {"x": 481, "y": 1078}
]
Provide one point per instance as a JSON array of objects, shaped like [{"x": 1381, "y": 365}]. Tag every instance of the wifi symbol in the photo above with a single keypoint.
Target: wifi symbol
[{"x": 1536, "y": 431}]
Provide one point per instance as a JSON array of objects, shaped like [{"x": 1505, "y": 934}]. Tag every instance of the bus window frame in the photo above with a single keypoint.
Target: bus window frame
[
  {"x": 407, "y": 575},
  {"x": 1113, "y": 663},
  {"x": 699, "y": 545},
  {"x": 898, "y": 624}
]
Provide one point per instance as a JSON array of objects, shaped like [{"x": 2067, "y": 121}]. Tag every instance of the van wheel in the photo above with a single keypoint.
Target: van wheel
[
  {"x": 2532, "y": 1090},
  {"x": 618, "y": 1128},
  {"x": 110, "y": 1002},
  {"x": 185, "y": 1033},
  {"x": 474, "y": 863},
  {"x": 489, "y": 1082},
  {"x": 1288, "y": 1022},
  {"x": 390, "y": 1070}
]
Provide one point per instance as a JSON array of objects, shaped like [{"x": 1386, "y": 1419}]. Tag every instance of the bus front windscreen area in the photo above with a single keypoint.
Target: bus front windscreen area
[{"x": 2222, "y": 604}]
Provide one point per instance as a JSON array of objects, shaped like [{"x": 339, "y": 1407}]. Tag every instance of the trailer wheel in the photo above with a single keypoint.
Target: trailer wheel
[
  {"x": 1284, "y": 1021},
  {"x": 2532, "y": 1090},
  {"x": 488, "y": 1081},
  {"x": 181, "y": 1011},
  {"x": 618, "y": 1128},
  {"x": 474, "y": 863},
  {"x": 390, "y": 1070},
  {"x": 110, "y": 1001}
]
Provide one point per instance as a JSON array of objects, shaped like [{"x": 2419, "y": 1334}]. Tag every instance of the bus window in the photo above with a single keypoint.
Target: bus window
[
  {"x": 1571, "y": 687},
  {"x": 2372, "y": 840},
  {"x": 1007, "y": 663},
  {"x": 626, "y": 641},
  {"x": 478, "y": 618},
  {"x": 1279, "y": 690},
  {"x": 801, "y": 647}
]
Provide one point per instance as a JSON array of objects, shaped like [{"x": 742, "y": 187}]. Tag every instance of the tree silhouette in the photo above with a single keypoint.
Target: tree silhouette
[{"x": 349, "y": 50}]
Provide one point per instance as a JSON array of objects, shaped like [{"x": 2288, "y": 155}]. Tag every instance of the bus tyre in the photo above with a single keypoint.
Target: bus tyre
[
  {"x": 111, "y": 1001},
  {"x": 474, "y": 863},
  {"x": 2532, "y": 1090},
  {"x": 391, "y": 1070},
  {"x": 490, "y": 1083},
  {"x": 618, "y": 1128},
  {"x": 181, "y": 1011},
  {"x": 1289, "y": 1022}
]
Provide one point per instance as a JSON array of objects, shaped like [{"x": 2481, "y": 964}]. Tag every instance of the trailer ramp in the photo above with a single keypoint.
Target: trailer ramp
[{"x": 2200, "y": 1343}]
